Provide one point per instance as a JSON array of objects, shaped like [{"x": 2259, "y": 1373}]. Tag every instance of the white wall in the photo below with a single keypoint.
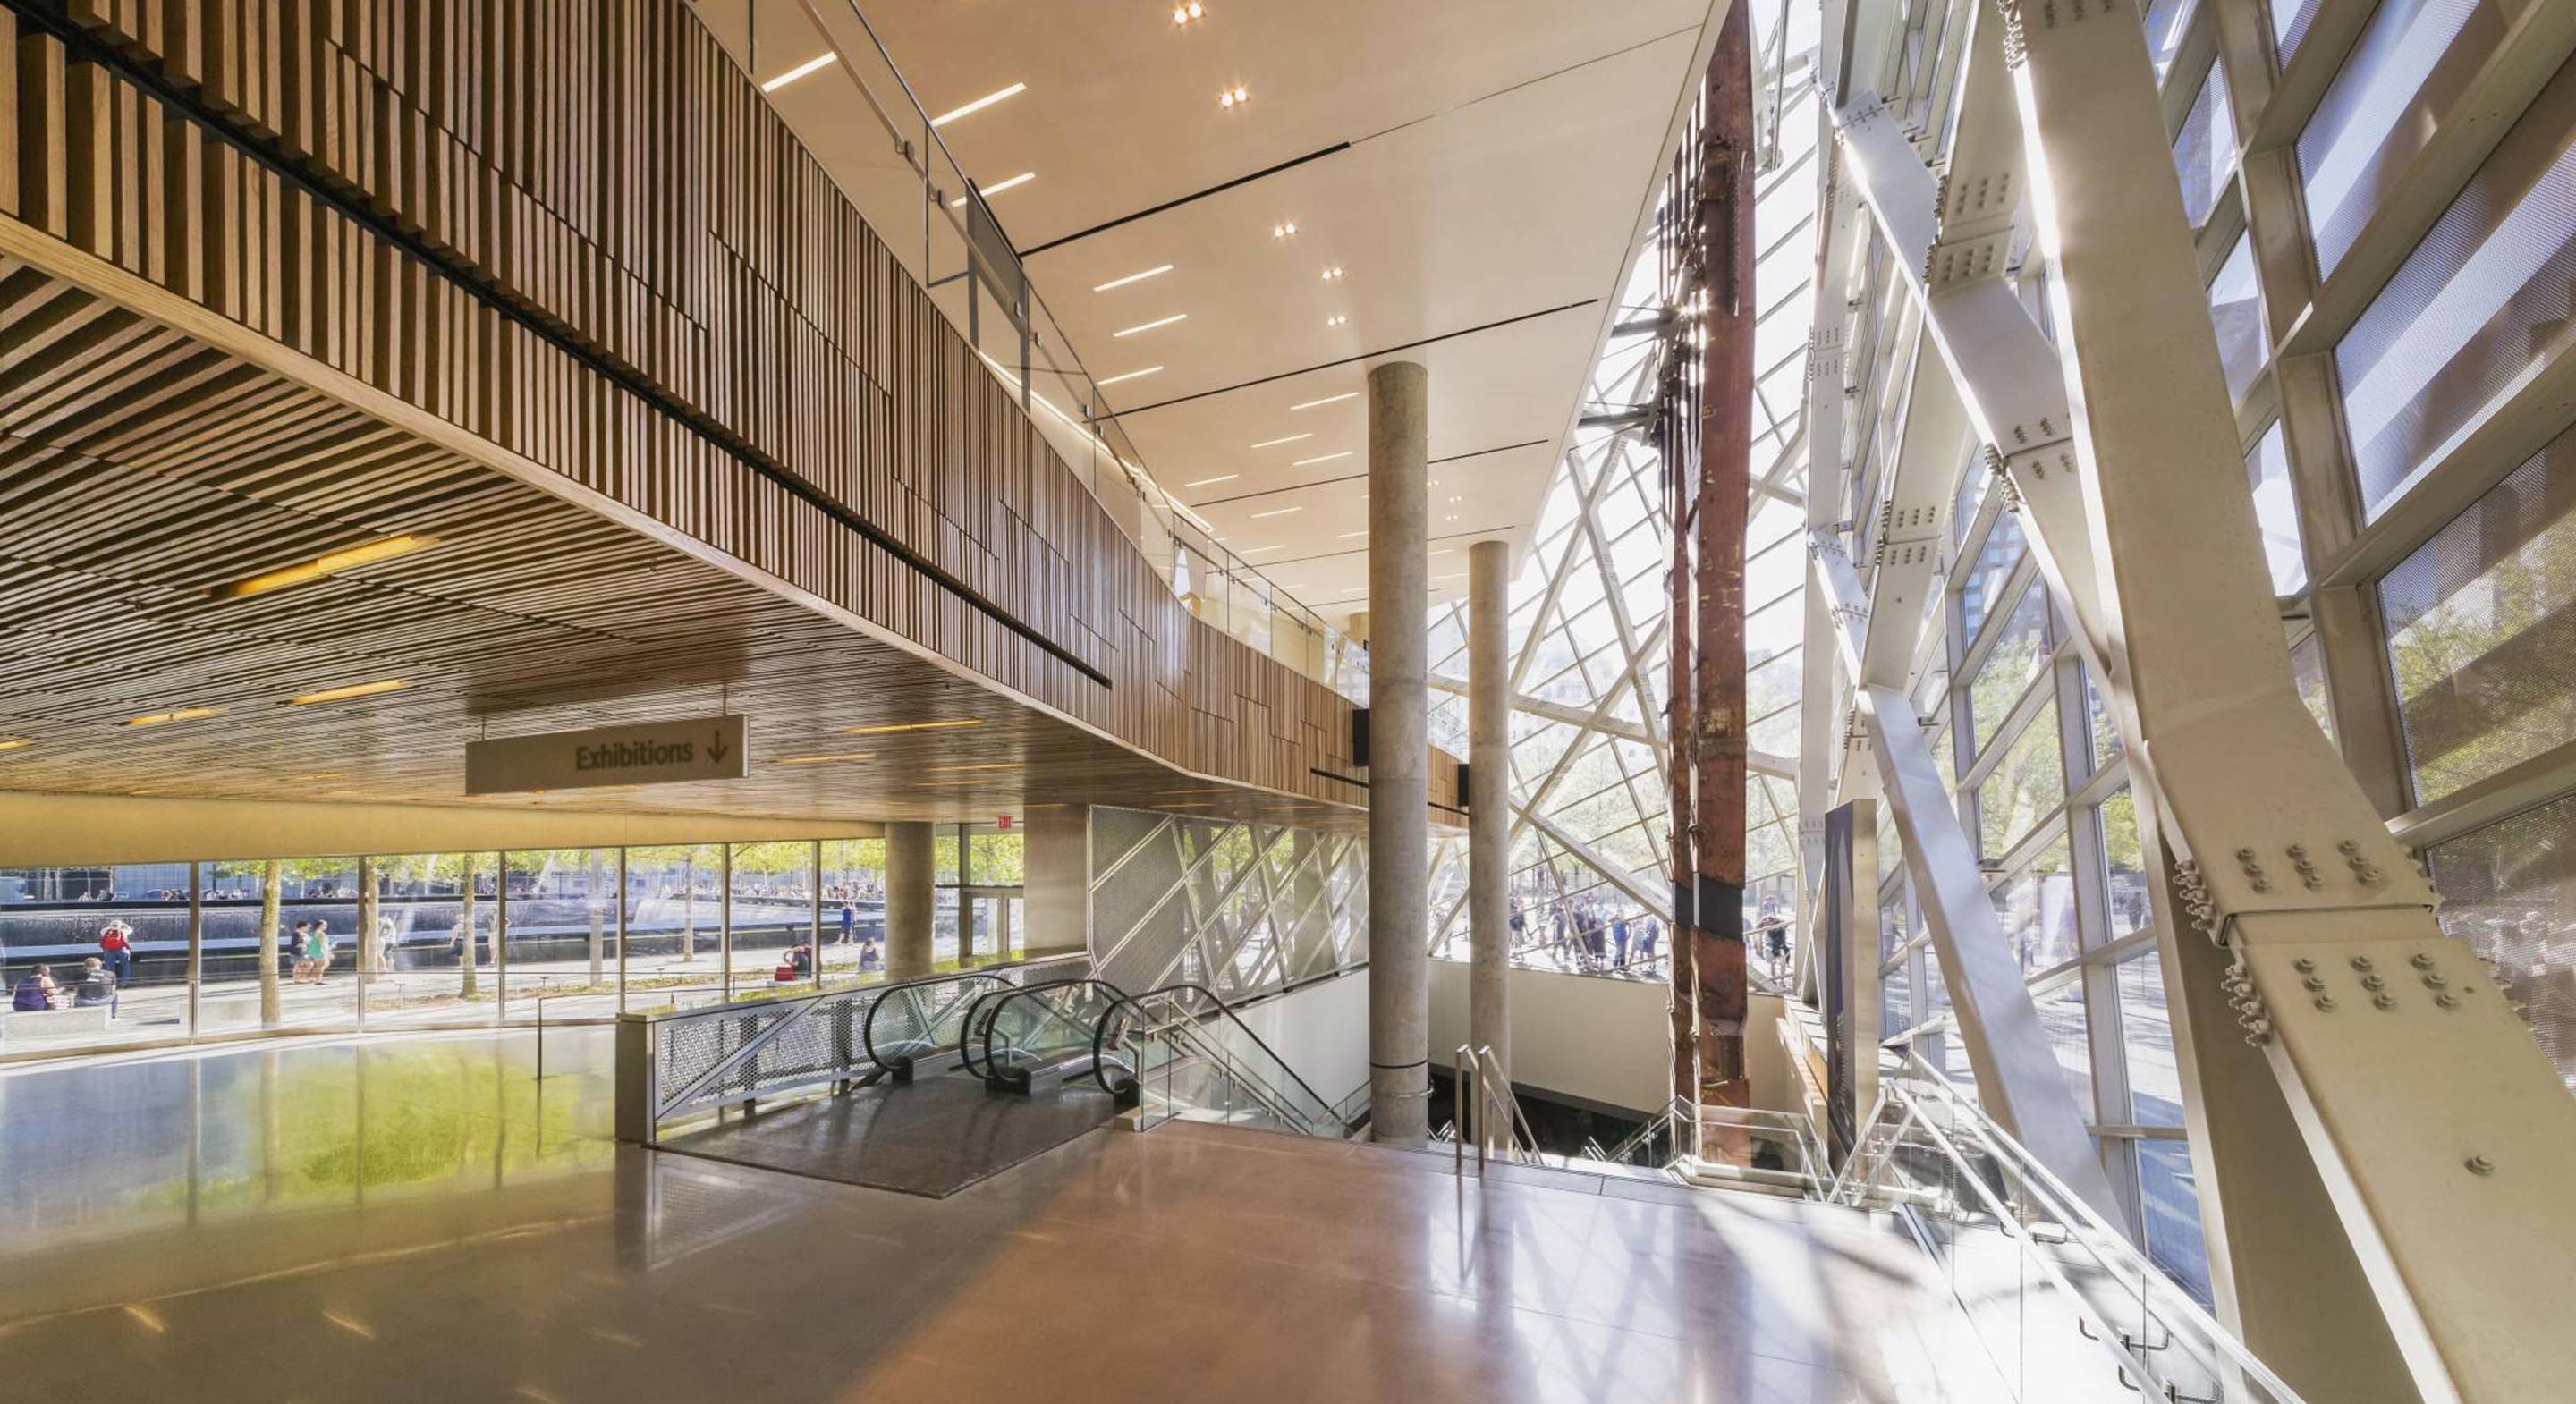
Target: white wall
[
  {"x": 1320, "y": 1030},
  {"x": 1605, "y": 1041}
]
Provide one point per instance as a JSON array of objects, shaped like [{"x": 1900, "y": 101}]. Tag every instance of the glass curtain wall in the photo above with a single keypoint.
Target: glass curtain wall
[{"x": 96, "y": 957}]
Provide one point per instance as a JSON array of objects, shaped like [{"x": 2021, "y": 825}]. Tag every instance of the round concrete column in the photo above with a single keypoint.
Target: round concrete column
[
  {"x": 1399, "y": 780},
  {"x": 908, "y": 901},
  {"x": 1489, "y": 859}
]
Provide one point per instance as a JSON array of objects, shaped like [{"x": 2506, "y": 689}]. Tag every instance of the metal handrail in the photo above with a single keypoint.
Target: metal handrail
[
  {"x": 901, "y": 1063},
  {"x": 992, "y": 1072},
  {"x": 1101, "y": 1031},
  {"x": 1918, "y": 1086},
  {"x": 1520, "y": 1144}
]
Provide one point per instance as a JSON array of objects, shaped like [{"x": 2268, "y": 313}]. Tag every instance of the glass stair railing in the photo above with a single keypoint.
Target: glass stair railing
[
  {"x": 919, "y": 1018},
  {"x": 1182, "y": 1052},
  {"x": 2055, "y": 1290},
  {"x": 1012, "y": 1038}
]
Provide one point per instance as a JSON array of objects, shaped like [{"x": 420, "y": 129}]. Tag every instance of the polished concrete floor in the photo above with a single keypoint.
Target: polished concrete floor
[
  {"x": 935, "y": 1135},
  {"x": 425, "y": 1219}
]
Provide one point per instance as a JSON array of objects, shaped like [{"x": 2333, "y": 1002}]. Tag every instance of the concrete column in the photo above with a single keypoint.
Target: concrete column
[
  {"x": 1056, "y": 868},
  {"x": 1398, "y": 760},
  {"x": 1489, "y": 838},
  {"x": 908, "y": 903}
]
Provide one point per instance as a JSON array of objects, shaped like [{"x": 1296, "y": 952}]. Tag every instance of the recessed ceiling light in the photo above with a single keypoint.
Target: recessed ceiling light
[
  {"x": 1276, "y": 512},
  {"x": 1300, "y": 585},
  {"x": 912, "y": 726},
  {"x": 1132, "y": 278},
  {"x": 997, "y": 187},
  {"x": 1328, "y": 400},
  {"x": 343, "y": 694},
  {"x": 11, "y": 743},
  {"x": 1274, "y": 443},
  {"x": 1333, "y": 274},
  {"x": 1235, "y": 96},
  {"x": 978, "y": 105},
  {"x": 1210, "y": 482},
  {"x": 385, "y": 549},
  {"x": 1353, "y": 535},
  {"x": 1326, "y": 458},
  {"x": 1250, "y": 550},
  {"x": 1461, "y": 575},
  {"x": 182, "y": 714},
  {"x": 1131, "y": 375},
  {"x": 827, "y": 758},
  {"x": 1356, "y": 590},
  {"x": 1183, "y": 14},
  {"x": 1286, "y": 228},
  {"x": 1335, "y": 320},
  {"x": 806, "y": 69},
  {"x": 1157, "y": 322}
]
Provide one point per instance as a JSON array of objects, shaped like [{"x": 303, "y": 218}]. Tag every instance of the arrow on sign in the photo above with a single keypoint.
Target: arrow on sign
[{"x": 717, "y": 750}]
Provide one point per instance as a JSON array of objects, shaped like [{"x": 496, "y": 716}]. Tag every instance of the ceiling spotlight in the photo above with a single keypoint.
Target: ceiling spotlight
[
  {"x": 343, "y": 694},
  {"x": 1333, "y": 274},
  {"x": 1335, "y": 320},
  {"x": 1235, "y": 96},
  {"x": 1286, "y": 228},
  {"x": 1183, "y": 14},
  {"x": 182, "y": 714}
]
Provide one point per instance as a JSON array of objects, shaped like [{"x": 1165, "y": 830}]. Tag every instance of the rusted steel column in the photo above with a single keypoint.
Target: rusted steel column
[{"x": 1705, "y": 423}]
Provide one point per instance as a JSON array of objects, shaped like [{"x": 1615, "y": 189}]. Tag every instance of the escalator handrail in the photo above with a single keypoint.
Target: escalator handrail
[
  {"x": 966, "y": 1033},
  {"x": 1100, "y": 1033},
  {"x": 868, "y": 1027}
]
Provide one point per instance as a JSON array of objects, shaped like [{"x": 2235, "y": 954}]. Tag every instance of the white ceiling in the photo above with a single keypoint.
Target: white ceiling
[{"x": 1501, "y": 155}]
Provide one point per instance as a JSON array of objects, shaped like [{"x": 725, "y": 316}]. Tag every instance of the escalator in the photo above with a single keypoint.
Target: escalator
[{"x": 1177, "y": 1052}]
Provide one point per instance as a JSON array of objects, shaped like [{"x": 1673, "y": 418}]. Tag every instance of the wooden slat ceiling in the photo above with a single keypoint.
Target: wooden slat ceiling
[{"x": 139, "y": 468}]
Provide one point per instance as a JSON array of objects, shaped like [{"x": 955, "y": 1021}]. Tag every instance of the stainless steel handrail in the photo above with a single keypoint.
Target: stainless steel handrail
[
  {"x": 1918, "y": 1086},
  {"x": 1473, "y": 1093},
  {"x": 1220, "y": 1056}
]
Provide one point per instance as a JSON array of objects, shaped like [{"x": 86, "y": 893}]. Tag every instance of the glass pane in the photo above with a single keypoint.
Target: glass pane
[
  {"x": 1896, "y": 998},
  {"x": 2290, "y": 20},
  {"x": 2172, "y": 1203},
  {"x": 2236, "y": 313},
  {"x": 421, "y": 917},
  {"x": 2377, "y": 114},
  {"x": 2308, "y": 670},
  {"x": 2481, "y": 627},
  {"x": 2205, "y": 151},
  {"x": 562, "y": 934},
  {"x": 1995, "y": 561},
  {"x": 2005, "y": 673},
  {"x": 100, "y": 955},
  {"x": 2167, "y": 20},
  {"x": 2146, "y": 1032},
  {"x": 674, "y": 916},
  {"x": 2061, "y": 1016},
  {"x": 2106, "y": 732},
  {"x": 853, "y": 906},
  {"x": 2509, "y": 890},
  {"x": 2475, "y": 312},
  {"x": 2276, "y": 510},
  {"x": 2024, "y": 786},
  {"x": 773, "y": 913},
  {"x": 2124, "y": 865},
  {"x": 2037, "y": 908}
]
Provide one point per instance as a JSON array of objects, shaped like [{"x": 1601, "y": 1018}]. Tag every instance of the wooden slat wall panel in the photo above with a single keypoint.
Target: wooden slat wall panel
[{"x": 607, "y": 166}]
